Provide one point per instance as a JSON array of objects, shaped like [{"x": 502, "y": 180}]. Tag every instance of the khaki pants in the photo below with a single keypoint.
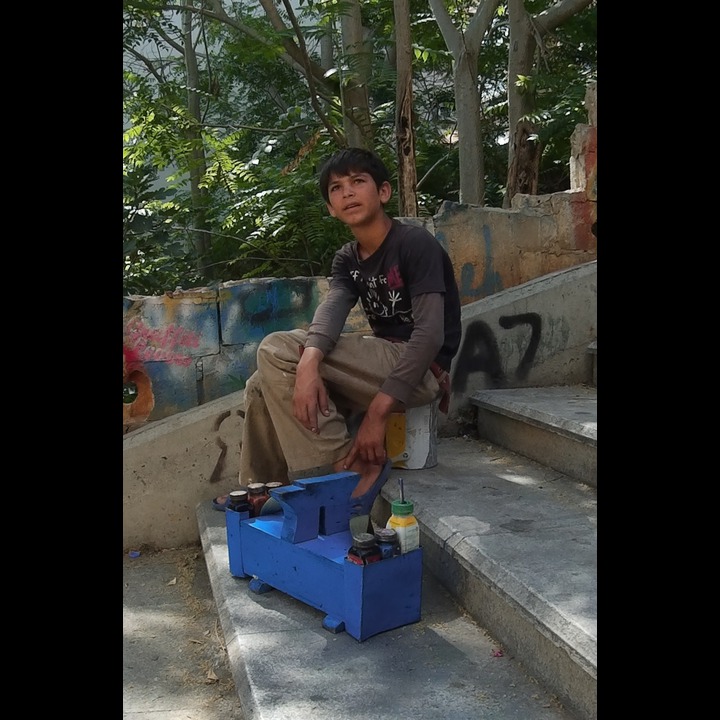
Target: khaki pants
[{"x": 275, "y": 446}]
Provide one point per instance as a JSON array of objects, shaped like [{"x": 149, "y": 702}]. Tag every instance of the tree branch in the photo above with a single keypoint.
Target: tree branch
[
  {"x": 554, "y": 16},
  {"x": 172, "y": 43},
  {"x": 480, "y": 23},
  {"x": 292, "y": 55},
  {"x": 147, "y": 63},
  {"x": 309, "y": 77}
]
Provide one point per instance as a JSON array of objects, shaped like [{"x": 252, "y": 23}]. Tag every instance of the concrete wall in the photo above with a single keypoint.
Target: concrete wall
[
  {"x": 188, "y": 347},
  {"x": 536, "y": 333},
  {"x": 169, "y": 466}
]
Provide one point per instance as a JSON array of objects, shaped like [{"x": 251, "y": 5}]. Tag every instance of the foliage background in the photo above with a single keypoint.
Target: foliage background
[{"x": 263, "y": 140}]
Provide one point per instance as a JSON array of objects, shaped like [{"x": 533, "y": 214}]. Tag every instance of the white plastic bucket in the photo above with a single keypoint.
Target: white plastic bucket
[{"x": 411, "y": 438}]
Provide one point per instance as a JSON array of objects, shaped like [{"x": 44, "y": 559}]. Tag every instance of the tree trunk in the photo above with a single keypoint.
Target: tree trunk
[
  {"x": 354, "y": 84},
  {"x": 197, "y": 164},
  {"x": 524, "y": 170},
  {"x": 467, "y": 104},
  {"x": 525, "y": 33},
  {"x": 404, "y": 127},
  {"x": 465, "y": 49},
  {"x": 520, "y": 62}
]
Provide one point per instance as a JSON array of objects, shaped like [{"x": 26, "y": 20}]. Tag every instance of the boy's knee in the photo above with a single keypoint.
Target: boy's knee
[
  {"x": 281, "y": 346},
  {"x": 269, "y": 344}
]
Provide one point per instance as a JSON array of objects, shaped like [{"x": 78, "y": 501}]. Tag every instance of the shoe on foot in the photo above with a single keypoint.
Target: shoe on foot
[
  {"x": 221, "y": 502},
  {"x": 362, "y": 505}
]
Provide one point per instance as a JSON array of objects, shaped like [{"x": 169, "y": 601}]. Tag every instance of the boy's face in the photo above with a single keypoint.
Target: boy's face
[{"x": 355, "y": 199}]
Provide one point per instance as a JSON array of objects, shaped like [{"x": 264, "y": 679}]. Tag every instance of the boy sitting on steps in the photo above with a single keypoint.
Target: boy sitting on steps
[{"x": 309, "y": 383}]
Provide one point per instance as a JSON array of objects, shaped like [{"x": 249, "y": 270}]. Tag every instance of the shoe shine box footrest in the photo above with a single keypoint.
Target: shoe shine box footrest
[{"x": 302, "y": 551}]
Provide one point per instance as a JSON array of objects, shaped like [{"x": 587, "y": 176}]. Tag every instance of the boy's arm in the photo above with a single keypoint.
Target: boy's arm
[
  {"x": 330, "y": 316},
  {"x": 310, "y": 394},
  {"x": 417, "y": 356},
  {"x": 421, "y": 349}
]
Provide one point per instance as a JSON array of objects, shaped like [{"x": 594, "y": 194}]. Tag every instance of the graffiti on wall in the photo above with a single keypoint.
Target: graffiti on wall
[
  {"x": 281, "y": 301},
  {"x": 228, "y": 438},
  {"x": 165, "y": 344},
  {"x": 138, "y": 398},
  {"x": 141, "y": 344},
  {"x": 472, "y": 288},
  {"x": 480, "y": 351},
  {"x": 250, "y": 310}
]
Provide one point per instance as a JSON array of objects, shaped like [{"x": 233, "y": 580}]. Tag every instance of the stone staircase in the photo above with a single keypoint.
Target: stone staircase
[
  {"x": 555, "y": 426},
  {"x": 508, "y": 529},
  {"x": 526, "y": 572}
]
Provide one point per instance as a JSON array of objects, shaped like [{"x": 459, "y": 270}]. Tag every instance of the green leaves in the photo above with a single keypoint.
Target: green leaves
[{"x": 263, "y": 135}]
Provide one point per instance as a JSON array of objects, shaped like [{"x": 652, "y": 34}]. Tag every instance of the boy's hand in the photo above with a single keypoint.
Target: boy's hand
[
  {"x": 309, "y": 394},
  {"x": 369, "y": 443}
]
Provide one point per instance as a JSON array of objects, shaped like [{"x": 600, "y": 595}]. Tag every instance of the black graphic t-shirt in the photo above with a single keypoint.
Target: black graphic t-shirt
[{"x": 409, "y": 262}]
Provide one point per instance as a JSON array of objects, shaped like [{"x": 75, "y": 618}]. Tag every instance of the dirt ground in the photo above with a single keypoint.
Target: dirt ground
[{"x": 175, "y": 663}]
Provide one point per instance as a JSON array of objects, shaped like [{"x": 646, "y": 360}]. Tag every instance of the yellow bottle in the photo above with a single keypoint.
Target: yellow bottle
[{"x": 405, "y": 525}]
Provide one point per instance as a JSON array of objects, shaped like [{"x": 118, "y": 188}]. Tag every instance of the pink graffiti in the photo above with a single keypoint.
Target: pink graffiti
[{"x": 164, "y": 344}]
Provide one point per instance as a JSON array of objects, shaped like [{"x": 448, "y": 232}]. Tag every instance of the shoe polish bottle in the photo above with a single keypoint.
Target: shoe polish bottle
[
  {"x": 405, "y": 525},
  {"x": 272, "y": 486},
  {"x": 364, "y": 550},
  {"x": 257, "y": 497},
  {"x": 238, "y": 502},
  {"x": 387, "y": 541},
  {"x": 238, "y": 509}
]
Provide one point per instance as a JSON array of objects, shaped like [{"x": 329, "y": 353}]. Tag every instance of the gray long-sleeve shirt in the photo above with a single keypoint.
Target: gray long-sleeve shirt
[{"x": 408, "y": 291}]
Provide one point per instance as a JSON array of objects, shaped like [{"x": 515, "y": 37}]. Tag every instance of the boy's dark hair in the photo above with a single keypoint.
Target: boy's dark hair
[{"x": 349, "y": 160}]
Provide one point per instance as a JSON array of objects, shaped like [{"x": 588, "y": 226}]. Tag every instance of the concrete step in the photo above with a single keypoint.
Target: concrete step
[
  {"x": 592, "y": 351},
  {"x": 556, "y": 426},
  {"x": 509, "y": 607}
]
